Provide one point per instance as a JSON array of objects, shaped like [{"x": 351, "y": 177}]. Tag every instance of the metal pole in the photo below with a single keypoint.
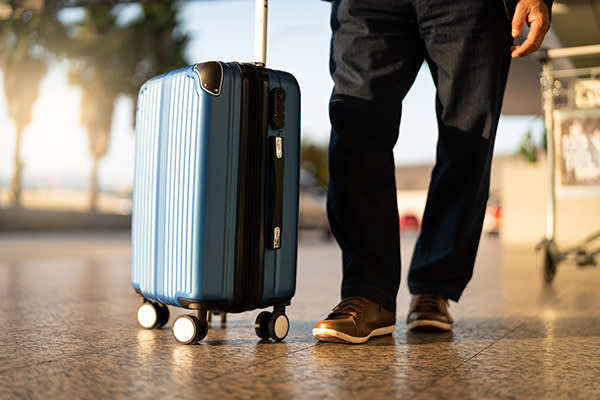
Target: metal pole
[
  {"x": 574, "y": 51},
  {"x": 260, "y": 32},
  {"x": 548, "y": 88}
]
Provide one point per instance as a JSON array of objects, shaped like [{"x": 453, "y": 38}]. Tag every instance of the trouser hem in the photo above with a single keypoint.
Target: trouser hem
[
  {"x": 372, "y": 293},
  {"x": 441, "y": 289}
]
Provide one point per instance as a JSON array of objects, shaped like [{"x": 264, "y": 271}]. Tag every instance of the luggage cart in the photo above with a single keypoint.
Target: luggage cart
[{"x": 568, "y": 93}]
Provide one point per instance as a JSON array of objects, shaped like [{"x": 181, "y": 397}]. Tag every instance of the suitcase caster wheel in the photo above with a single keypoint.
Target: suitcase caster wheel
[
  {"x": 261, "y": 326},
  {"x": 550, "y": 260},
  {"x": 279, "y": 326},
  {"x": 148, "y": 315},
  {"x": 549, "y": 267},
  {"x": 152, "y": 315},
  {"x": 163, "y": 315},
  {"x": 189, "y": 329}
]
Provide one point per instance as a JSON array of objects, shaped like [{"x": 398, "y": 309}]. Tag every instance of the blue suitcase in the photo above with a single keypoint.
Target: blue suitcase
[{"x": 215, "y": 198}]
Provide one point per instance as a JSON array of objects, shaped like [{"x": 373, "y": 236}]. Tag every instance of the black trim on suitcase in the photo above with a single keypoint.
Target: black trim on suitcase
[
  {"x": 250, "y": 237},
  {"x": 205, "y": 304},
  {"x": 276, "y": 202}
]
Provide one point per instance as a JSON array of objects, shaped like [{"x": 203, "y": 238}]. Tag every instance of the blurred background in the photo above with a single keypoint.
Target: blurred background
[
  {"x": 70, "y": 71},
  {"x": 70, "y": 76}
]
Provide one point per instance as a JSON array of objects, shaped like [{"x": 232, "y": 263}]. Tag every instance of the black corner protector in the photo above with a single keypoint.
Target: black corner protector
[{"x": 211, "y": 77}]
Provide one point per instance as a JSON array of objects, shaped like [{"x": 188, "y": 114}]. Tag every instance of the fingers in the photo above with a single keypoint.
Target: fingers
[
  {"x": 532, "y": 43},
  {"x": 535, "y": 13},
  {"x": 518, "y": 21}
]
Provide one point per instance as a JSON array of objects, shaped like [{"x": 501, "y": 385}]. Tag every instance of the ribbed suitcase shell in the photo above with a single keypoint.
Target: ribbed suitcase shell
[{"x": 185, "y": 190}]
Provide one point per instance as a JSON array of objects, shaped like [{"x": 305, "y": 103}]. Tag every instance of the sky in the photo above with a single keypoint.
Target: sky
[{"x": 55, "y": 148}]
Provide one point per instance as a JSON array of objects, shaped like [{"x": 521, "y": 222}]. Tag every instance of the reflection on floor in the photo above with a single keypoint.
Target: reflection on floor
[{"x": 69, "y": 331}]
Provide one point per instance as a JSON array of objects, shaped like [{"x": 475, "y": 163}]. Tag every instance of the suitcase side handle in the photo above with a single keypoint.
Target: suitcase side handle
[{"x": 277, "y": 165}]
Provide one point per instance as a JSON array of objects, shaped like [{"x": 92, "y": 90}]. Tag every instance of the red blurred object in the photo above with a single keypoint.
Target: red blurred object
[
  {"x": 493, "y": 217},
  {"x": 409, "y": 222}
]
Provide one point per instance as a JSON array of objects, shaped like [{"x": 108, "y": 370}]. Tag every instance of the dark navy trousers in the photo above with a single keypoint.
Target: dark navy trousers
[{"x": 377, "y": 49}]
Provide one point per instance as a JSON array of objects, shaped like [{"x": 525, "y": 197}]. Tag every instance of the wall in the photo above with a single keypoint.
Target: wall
[{"x": 524, "y": 207}]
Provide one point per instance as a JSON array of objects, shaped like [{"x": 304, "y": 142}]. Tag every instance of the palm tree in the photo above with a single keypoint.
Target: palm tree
[
  {"x": 97, "y": 104},
  {"x": 109, "y": 60},
  {"x": 23, "y": 67},
  {"x": 112, "y": 59},
  {"x": 157, "y": 47},
  {"x": 97, "y": 47}
]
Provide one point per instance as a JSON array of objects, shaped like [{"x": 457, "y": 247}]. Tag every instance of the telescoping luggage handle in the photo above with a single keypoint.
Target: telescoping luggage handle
[
  {"x": 260, "y": 32},
  {"x": 277, "y": 118}
]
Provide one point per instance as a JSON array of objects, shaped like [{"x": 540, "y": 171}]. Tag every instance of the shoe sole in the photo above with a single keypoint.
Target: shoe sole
[
  {"x": 429, "y": 326},
  {"x": 331, "y": 335}
]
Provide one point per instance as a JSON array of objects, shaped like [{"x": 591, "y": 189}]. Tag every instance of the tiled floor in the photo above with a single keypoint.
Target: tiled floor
[{"x": 68, "y": 330}]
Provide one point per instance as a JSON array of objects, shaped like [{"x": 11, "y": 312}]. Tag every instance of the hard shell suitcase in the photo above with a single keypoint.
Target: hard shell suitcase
[{"x": 215, "y": 202}]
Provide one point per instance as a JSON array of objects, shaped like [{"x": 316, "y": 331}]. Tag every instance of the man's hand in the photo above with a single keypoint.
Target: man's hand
[{"x": 535, "y": 13}]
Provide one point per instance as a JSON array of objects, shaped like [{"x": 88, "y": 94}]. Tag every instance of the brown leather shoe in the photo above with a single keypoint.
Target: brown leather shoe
[
  {"x": 429, "y": 312},
  {"x": 355, "y": 320}
]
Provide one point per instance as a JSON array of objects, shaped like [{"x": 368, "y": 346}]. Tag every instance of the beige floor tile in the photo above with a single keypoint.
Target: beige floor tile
[{"x": 69, "y": 331}]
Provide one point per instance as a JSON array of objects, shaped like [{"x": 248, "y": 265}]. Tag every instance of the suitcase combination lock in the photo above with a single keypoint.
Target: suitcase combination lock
[{"x": 278, "y": 108}]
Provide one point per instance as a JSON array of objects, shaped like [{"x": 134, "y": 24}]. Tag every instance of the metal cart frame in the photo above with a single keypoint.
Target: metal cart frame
[{"x": 581, "y": 254}]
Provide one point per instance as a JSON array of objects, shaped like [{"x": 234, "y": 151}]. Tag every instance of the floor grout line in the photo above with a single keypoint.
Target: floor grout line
[
  {"x": 487, "y": 347},
  {"x": 439, "y": 379},
  {"x": 553, "y": 302}
]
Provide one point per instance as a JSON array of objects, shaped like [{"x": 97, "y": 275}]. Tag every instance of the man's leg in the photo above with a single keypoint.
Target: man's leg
[
  {"x": 375, "y": 56},
  {"x": 468, "y": 51}
]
